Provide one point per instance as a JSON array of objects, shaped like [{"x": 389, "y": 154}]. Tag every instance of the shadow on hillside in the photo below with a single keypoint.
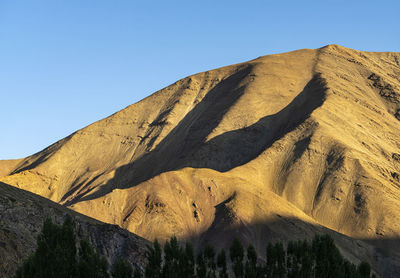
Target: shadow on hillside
[
  {"x": 186, "y": 146},
  {"x": 23, "y": 213},
  {"x": 382, "y": 253},
  {"x": 40, "y": 157}
]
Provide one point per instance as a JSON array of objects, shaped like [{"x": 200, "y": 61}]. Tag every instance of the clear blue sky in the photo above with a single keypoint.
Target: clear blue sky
[{"x": 67, "y": 63}]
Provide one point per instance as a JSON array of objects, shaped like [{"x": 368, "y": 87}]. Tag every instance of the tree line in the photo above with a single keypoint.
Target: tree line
[
  {"x": 319, "y": 258},
  {"x": 59, "y": 254}
]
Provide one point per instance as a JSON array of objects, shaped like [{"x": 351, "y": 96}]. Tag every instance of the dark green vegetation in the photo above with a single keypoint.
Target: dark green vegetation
[
  {"x": 301, "y": 259},
  {"x": 57, "y": 255}
]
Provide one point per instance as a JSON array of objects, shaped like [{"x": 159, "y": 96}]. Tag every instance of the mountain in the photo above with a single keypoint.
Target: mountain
[
  {"x": 280, "y": 147},
  {"x": 21, "y": 220}
]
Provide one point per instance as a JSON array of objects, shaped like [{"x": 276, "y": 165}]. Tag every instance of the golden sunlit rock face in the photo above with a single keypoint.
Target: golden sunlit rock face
[{"x": 278, "y": 147}]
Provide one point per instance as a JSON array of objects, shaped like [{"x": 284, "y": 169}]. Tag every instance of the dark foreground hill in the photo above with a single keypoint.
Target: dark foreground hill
[{"x": 21, "y": 219}]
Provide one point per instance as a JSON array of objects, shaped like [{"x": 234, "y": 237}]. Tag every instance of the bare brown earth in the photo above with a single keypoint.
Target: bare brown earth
[{"x": 309, "y": 139}]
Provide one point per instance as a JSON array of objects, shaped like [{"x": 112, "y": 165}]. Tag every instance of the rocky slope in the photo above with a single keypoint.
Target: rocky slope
[
  {"x": 21, "y": 220},
  {"x": 309, "y": 135}
]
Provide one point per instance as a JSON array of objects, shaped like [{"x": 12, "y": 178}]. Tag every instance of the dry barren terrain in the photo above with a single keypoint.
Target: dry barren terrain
[{"x": 280, "y": 147}]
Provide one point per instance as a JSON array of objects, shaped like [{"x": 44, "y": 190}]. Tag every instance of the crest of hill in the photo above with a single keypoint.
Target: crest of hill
[{"x": 309, "y": 135}]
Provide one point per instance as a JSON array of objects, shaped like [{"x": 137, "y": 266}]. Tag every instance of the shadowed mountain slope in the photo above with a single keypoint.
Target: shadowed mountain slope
[
  {"x": 311, "y": 135},
  {"x": 21, "y": 220}
]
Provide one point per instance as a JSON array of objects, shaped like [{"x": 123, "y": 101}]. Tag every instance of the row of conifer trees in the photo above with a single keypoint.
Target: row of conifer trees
[
  {"x": 57, "y": 255},
  {"x": 301, "y": 259}
]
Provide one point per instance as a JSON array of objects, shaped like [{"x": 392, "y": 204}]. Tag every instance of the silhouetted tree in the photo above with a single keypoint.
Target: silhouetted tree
[
  {"x": 293, "y": 263},
  {"x": 172, "y": 259},
  {"x": 349, "y": 269},
  {"x": 221, "y": 263},
  {"x": 270, "y": 267},
  {"x": 201, "y": 268},
  {"x": 237, "y": 253},
  {"x": 91, "y": 264},
  {"x": 328, "y": 260},
  {"x": 121, "y": 269},
  {"x": 364, "y": 270},
  {"x": 251, "y": 263},
  {"x": 280, "y": 260},
  {"x": 154, "y": 257},
  {"x": 188, "y": 262},
  {"x": 299, "y": 259},
  {"x": 306, "y": 256},
  {"x": 209, "y": 259},
  {"x": 67, "y": 242},
  {"x": 55, "y": 255}
]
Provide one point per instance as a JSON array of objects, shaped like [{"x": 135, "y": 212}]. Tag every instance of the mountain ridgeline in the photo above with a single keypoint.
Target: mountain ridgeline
[{"x": 277, "y": 148}]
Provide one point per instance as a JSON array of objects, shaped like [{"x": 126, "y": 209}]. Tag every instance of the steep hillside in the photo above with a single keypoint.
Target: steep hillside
[
  {"x": 311, "y": 135},
  {"x": 21, "y": 219}
]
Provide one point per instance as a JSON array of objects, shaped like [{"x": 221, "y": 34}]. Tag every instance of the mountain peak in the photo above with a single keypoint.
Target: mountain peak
[{"x": 310, "y": 135}]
